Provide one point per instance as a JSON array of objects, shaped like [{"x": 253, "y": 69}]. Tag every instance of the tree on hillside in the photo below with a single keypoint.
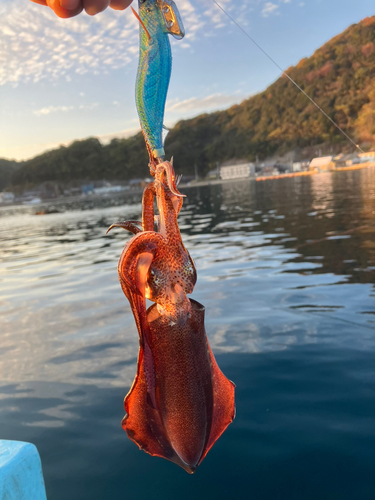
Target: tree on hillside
[{"x": 7, "y": 168}]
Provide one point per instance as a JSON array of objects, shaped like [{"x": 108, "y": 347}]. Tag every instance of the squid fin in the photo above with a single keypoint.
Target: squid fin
[
  {"x": 224, "y": 407},
  {"x": 142, "y": 423}
]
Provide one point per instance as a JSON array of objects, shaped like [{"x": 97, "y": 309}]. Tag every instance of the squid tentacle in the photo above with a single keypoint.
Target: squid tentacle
[
  {"x": 129, "y": 225},
  {"x": 148, "y": 216},
  {"x": 167, "y": 168}
]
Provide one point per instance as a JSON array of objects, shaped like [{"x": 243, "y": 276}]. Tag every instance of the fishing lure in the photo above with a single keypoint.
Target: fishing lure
[{"x": 158, "y": 20}]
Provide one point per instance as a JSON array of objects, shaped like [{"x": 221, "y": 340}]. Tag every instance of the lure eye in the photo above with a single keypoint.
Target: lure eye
[{"x": 169, "y": 23}]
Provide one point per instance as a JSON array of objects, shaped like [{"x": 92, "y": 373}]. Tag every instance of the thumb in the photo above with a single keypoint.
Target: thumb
[{"x": 71, "y": 8}]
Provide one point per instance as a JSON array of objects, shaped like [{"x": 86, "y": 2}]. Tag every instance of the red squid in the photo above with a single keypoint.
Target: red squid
[{"x": 180, "y": 402}]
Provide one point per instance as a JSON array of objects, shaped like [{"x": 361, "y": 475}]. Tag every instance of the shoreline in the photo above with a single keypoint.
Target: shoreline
[
  {"x": 135, "y": 193},
  {"x": 314, "y": 172}
]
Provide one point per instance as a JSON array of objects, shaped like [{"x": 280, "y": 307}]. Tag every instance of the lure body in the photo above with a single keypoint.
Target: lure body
[{"x": 158, "y": 19}]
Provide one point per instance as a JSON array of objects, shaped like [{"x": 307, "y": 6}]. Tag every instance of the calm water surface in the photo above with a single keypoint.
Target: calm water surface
[{"x": 286, "y": 270}]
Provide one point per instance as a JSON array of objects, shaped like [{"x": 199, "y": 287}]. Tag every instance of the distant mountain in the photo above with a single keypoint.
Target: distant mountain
[
  {"x": 339, "y": 76},
  {"x": 7, "y": 169}
]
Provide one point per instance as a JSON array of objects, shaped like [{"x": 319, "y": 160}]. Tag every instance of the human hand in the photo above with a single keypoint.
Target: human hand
[{"x": 71, "y": 8}]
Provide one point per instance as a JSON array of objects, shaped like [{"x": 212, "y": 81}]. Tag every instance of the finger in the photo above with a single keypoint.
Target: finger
[
  {"x": 119, "y": 4},
  {"x": 69, "y": 4},
  {"x": 93, "y": 7},
  {"x": 40, "y": 2},
  {"x": 64, "y": 13}
]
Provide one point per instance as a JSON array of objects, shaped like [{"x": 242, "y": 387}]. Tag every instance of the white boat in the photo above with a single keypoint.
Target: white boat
[{"x": 33, "y": 201}]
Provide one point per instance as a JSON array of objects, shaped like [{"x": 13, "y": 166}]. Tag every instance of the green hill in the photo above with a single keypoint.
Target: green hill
[
  {"x": 339, "y": 76},
  {"x": 7, "y": 169}
]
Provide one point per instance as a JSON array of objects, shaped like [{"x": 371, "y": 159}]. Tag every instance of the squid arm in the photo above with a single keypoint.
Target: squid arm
[
  {"x": 129, "y": 225},
  {"x": 133, "y": 268}
]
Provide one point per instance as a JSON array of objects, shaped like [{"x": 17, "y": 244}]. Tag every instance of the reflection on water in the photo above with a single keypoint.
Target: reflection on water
[
  {"x": 286, "y": 271},
  {"x": 322, "y": 192}
]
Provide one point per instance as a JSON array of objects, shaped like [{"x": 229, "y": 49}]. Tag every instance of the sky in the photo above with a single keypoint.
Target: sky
[{"x": 67, "y": 79}]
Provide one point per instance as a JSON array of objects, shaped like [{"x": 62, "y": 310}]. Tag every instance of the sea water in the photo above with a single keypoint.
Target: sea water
[{"x": 286, "y": 271}]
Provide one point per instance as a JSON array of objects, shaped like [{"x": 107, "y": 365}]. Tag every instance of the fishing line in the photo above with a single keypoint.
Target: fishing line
[{"x": 289, "y": 78}]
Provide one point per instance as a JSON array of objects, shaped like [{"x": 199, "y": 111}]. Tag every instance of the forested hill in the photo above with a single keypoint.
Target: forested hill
[
  {"x": 7, "y": 169},
  {"x": 340, "y": 76}
]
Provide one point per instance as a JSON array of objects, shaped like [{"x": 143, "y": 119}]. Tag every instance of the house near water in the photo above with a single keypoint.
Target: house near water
[
  {"x": 324, "y": 163},
  {"x": 6, "y": 197},
  {"x": 367, "y": 157},
  {"x": 240, "y": 171}
]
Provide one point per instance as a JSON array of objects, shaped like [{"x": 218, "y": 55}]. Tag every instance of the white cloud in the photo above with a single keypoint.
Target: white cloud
[
  {"x": 269, "y": 8},
  {"x": 215, "y": 15},
  {"x": 192, "y": 20},
  {"x": 88, "y": 107},
  {"x": 7, "y": 31},
  {"x": 55, "y": 109},
  {"x": 52, "y": 109},
  {"x": 123, "y": 134},
  {"x": 213, "y": 101},
  {"x": 36, "y": 44},
  {"x": 239, "y": 10}
]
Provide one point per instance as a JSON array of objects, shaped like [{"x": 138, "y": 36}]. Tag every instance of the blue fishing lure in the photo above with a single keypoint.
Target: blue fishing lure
[{"x": 158, "y": 19}]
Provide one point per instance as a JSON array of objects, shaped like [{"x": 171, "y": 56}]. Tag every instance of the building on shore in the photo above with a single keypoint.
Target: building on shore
[
  {"x": 299, "y": 166},
  {"x": 324, "y": 163},
  {"x": 104, "y": 190},
  {"x": 346, "y": 160},
  {"x": 6, "y": 197},
  {"x": 212, "y": 174},
  {"x": 240, "y": 171},
  {"x": 328, "y": 163},
  {"x": 367, "y": 157}
]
